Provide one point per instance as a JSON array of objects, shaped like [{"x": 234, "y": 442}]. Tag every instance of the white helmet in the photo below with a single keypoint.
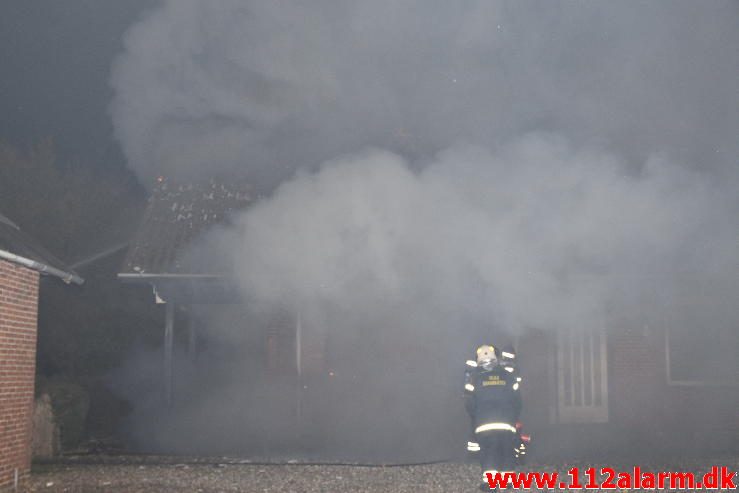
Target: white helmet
[{"x": 486, "y": 355}]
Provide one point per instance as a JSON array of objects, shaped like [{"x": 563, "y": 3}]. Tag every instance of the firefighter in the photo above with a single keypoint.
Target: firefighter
[
  {"x": 493, "y": 402},
  {"x": 507, "y": 358}
]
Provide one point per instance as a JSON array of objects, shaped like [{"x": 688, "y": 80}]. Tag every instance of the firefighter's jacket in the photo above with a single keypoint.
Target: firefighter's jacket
[{"x": 492, "y": 398}]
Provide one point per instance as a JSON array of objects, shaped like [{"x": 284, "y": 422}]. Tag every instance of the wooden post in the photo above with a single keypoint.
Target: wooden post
[
  {"x": 192, "y": 337},
  {"x": 299, "y": 346},
  {"x": 168, "y": 352},
  {"x": 299, "y": 366}
]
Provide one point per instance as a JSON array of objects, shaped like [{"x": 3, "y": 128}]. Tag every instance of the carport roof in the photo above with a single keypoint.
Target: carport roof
[{"x": 177, "y": 215}]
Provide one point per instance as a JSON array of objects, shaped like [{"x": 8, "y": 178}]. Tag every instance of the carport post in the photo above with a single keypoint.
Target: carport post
[
  {"x": 168, "y": 347},
  {"x": 299, "y": 367},
  {"x": 192, "y": 337}
]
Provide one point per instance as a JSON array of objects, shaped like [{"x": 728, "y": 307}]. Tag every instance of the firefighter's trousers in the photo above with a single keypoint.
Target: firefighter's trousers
[{"x": 496, "y": 450}]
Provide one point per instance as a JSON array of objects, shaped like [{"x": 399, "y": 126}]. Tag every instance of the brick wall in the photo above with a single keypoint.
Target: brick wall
[
  {"x": 18, "y": 321},
  {"x": 646, "y": 413},
  {"x": 647, "y": 407}
]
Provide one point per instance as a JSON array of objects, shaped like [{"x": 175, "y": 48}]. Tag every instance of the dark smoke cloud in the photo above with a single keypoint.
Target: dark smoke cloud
[{"x": 263, "y": 88}]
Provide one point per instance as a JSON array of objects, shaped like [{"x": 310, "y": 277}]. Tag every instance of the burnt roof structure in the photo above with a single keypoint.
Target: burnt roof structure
[
  {"x": 177, "y": 216},
  {"x": 19, "y": 248}
]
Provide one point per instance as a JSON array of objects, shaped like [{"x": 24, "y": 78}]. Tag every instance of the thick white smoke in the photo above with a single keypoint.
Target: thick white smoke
[
  {"x": 259, "y": 88},
  {"x": 435, "y": 170},
  {"x": 401, "y": 271},
  {"x": 537, "y": 234}
]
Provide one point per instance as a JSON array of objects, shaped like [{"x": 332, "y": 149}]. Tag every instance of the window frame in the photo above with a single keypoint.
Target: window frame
[
  {"x": 581, "y": 414},
  {"x": 691, "y": 383}
]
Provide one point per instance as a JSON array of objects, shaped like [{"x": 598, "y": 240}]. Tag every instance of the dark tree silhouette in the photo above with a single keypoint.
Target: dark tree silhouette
[{"x": 77, "y": 210}]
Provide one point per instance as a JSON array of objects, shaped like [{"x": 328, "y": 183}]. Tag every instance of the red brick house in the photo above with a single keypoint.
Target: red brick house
[
  {"x": 632, "y": 389},
  {"x": 22, "y": 262},
  {"x": 635, "y": 384}
]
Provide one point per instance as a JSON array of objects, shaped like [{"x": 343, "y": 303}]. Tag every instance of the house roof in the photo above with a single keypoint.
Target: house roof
[
  {"x": 18, "y": 247},
  {"x": 177, "y": 215}
]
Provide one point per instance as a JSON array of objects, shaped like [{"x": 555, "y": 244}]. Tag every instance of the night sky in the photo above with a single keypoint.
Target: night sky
[{"x": 56, "y": 60}]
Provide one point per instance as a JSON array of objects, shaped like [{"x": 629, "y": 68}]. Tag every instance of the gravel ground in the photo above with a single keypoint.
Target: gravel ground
[
  {"x": 168, "y": 476},
  {"x": 252, "y": 478}
]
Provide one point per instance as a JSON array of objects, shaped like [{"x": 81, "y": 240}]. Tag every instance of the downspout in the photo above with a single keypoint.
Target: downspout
[{"x": 68, "y": 277}]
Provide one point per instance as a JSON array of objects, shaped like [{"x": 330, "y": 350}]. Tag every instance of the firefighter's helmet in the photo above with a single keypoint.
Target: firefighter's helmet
[{"x": 486, "y": 354}]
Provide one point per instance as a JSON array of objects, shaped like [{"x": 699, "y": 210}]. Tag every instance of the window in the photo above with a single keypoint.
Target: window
[
  {"x": 582, "y": 389},
  {"x": 702, "y": 344}
]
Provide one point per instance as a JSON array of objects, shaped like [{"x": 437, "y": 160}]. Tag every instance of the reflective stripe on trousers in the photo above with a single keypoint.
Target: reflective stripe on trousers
[{"x": 495, "y": 426}]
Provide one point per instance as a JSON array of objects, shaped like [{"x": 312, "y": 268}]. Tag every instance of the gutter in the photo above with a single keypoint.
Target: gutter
[
  {"x": 153, "y": 279},
  {"x": 149, "y": 277},
  {"x": 68, "y": 277}
]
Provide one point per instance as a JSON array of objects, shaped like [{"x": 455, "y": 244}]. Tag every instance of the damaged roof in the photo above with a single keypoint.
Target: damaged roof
[
  {"x": 177, "y": 215},
  {"x": 19, "y": 248}
]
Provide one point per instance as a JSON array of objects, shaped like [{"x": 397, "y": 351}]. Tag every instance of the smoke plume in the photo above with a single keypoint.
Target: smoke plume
[
  {"x": 437, "y": 171},
  {"x": 262, "y": 88},
  {"x": 536, "y": 235}
]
